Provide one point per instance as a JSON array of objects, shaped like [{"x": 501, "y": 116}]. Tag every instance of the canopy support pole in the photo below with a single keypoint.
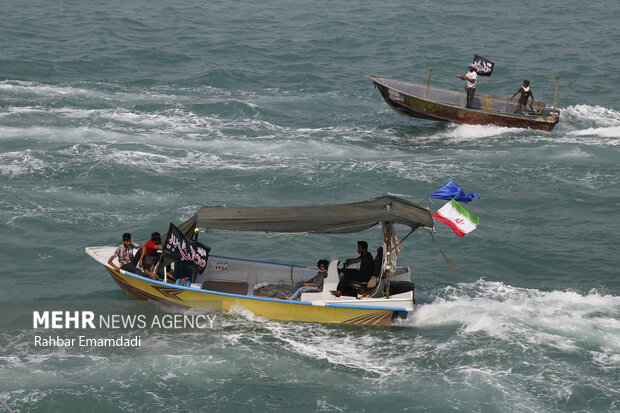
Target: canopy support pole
[{"x": 387, "y": 240}]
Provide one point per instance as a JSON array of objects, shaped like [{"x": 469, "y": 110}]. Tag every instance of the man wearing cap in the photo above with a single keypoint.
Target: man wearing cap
[{"x": 470, "y": 87}]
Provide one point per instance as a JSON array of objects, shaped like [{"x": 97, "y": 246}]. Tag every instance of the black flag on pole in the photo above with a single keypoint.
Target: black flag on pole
[
  {"x": 183, "y": 249},
  {"x": 484, "y": 67}
]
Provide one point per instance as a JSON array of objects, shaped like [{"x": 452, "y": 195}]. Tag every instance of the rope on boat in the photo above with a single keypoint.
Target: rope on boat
[{"x": 284, "y": 233}]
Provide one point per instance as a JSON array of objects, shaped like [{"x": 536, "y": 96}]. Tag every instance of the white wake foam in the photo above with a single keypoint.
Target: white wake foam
[
  {"x": 565, "y": 320},
  {"x": 584, "y": 121}
]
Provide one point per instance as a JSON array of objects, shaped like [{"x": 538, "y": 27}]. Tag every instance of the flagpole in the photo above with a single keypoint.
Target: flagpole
[
  {"x": 196, "y": 232},
  {"x": 161, "y": 255},
  {"x": 444, "y": 255},
  {"x": 422, "y": 201},
  {"x": 555, "y": 101},
  {"x": 410, "y": 232},
  {"x": 400, "y": 242},
  {"x": 428, "y": 82}
]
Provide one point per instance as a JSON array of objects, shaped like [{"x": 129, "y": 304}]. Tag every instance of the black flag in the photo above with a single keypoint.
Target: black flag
[
  {"x": 483, "y": 66},
  {"x": 184, "y": 249}
]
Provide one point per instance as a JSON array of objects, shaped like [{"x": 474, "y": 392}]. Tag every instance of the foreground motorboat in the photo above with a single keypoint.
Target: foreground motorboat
[{"x": 242, "y": 282}]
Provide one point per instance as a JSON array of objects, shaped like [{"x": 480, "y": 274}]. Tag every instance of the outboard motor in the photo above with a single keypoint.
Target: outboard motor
[{"x": 399, "y": 287}]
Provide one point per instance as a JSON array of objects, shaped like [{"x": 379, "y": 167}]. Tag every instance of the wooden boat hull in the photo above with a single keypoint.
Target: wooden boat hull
[{"x": 410, "y": 99}]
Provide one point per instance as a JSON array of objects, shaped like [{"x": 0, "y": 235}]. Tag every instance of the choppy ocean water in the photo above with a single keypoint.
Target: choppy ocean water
[{"x": 119, "y": 117}]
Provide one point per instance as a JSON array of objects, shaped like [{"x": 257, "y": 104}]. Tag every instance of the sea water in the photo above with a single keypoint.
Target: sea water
[{"x": 126, "y": 116}]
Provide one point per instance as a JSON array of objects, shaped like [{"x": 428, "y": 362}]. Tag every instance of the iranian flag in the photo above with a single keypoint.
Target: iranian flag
[{"x": 457, "y": 217}]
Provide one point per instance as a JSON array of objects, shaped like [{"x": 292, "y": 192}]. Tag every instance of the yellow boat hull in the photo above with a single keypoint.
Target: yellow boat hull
[{"x": 141, "y": 288}]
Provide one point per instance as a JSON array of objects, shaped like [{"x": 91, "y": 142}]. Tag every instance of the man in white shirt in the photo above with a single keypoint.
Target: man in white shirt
[{"x": 470, "y": 87}]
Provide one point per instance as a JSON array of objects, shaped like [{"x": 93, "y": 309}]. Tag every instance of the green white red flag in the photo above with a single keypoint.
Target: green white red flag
[{"x": 457, "y": 217}]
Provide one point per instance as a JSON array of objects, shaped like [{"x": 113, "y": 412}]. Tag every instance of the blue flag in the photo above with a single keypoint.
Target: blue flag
[{"x": 453, "y": 191}]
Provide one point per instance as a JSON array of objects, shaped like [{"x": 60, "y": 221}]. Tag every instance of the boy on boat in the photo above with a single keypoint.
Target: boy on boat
[
  {"x": 124, "y": 253},
  {"x": 526, "y": 93},
  {"x": 150, "y": 256},
  {"x": 310, "y": 286}
]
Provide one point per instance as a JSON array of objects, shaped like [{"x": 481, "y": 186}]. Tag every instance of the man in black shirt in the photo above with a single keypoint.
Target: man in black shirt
[{"x": 350, "y": 274}]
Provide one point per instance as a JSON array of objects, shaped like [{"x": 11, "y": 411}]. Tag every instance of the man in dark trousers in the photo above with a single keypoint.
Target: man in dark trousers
[
  {"x": 351, "y": 274},
  {"x": 470, "y": 86},
  {"x": 124, "y": 253},
  {"x": 150, "y": 257},
  {"x": 526, "y": 94}
]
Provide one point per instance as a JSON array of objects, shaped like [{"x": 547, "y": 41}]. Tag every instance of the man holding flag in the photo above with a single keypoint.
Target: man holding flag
[
  {"x": 470, "y": 87},
  {"x": 479, "y": 67}
]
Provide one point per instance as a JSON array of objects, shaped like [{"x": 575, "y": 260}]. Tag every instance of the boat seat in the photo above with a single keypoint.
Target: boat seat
[
  {"x": 240, "y": 288},
  {"x": 329, "y": 283}
]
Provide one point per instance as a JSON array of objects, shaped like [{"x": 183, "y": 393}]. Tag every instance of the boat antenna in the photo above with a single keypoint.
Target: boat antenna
[
  {"x": 428, "y": 82},
  {"x": 444, "y": 255}
]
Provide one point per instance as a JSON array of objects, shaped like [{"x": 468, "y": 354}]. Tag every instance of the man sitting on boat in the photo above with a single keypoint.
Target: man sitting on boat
[
  {"x": 310, "y": 286},
  {"x": 470, "y": 87},
  {"x": 150, "y": 256},
  {"x": 124, "y": 253},
  {"x": 351, "y": 274}
]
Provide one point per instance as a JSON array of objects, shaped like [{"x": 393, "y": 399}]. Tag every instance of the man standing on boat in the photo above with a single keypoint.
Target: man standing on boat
[{"x": 470, "y": 87}]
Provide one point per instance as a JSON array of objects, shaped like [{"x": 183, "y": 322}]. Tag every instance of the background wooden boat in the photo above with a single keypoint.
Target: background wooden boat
[{"x": 411, "y": 99}]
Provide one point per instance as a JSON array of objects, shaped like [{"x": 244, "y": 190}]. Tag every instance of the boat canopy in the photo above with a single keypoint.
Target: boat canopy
[{"x": 320, "y": 219}]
